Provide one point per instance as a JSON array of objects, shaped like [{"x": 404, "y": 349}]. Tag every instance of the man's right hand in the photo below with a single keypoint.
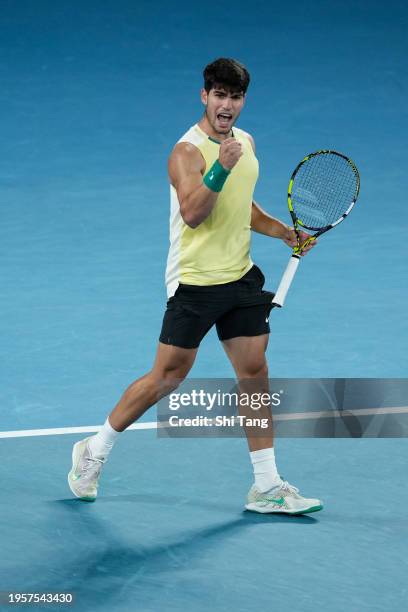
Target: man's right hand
[{"x": 230, "y": 152}]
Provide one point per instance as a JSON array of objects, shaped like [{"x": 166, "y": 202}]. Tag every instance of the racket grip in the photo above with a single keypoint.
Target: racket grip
[{"x": 286, "y": 281}]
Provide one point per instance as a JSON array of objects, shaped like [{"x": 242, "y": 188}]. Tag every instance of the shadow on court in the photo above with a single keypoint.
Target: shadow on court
[{"x": 120, "y": 566}]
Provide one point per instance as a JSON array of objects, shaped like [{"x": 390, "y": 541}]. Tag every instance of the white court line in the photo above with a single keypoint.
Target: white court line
[
  {"x": 23, "y": 433},
  {"x": 340, "y": 413},
  {"x": 57, "y": 431}
]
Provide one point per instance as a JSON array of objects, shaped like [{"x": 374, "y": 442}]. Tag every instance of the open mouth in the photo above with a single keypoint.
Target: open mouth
[{"x": 224, "y": 117}]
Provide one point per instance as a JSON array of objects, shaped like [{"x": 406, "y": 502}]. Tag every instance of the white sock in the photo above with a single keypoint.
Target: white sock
[
  {"x": 101, "y": 444},
  {"x": 265, "y": 472}
]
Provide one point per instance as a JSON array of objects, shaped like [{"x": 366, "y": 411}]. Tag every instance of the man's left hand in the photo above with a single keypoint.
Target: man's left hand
[{"x": 290, "y": 239}]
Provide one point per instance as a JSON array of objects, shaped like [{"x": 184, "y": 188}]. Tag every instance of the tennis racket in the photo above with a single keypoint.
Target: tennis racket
[{"x": 322, "y": 191}]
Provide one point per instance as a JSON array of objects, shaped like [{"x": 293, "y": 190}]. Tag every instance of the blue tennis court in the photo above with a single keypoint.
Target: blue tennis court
[{"x": 93, "y": 98}]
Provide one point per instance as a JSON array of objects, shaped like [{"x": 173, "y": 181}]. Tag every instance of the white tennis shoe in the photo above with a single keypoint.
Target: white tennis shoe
[
  {"x": 84, "y": 475},
  {"x": 283, "y": 499}
]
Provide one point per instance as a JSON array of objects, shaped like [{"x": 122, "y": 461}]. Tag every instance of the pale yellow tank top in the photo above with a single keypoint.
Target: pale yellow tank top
[{"x": 217, "y": 251}]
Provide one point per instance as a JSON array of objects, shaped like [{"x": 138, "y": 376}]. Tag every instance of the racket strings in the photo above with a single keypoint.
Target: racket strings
[{"x": 323, "y": 189}]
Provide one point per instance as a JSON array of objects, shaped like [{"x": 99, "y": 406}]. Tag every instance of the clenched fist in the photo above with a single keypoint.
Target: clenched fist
[{"x": 230, "y": 152}]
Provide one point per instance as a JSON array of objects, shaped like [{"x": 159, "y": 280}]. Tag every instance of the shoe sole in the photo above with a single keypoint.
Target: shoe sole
[
  {"x": 72, "y": 472},
  {"x": 255, "y": 508}
]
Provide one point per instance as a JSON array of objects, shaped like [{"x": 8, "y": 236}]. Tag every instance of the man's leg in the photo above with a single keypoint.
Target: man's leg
[
  {"x": 269, "y": 494},
  {"x": 171, "y": 366},
  {"x": 247, "y": 356}
]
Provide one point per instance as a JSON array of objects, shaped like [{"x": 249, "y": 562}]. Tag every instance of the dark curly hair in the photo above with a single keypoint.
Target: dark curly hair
[{"x": 228, "y": 73}]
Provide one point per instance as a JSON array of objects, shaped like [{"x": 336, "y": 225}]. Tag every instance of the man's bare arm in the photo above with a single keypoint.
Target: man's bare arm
[
  {"x": 186, "y": 169},
  {"x": 262, "y": 223}
]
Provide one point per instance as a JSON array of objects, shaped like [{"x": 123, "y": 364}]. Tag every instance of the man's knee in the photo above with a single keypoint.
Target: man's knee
[
  {"x": 171, "y": 374},
  {"x": 176, "y": 370},
  {"x": 256, "y": 368},
  {"x": 171, "y": 378}
]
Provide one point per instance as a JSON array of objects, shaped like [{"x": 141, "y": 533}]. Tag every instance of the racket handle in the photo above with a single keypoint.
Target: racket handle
[{"x": 286, "y": 281}]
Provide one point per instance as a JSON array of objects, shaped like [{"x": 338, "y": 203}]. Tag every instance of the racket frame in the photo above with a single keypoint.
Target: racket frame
[
  {"x": 321, "y": 230},
  {"x": 291, "y": 268}
]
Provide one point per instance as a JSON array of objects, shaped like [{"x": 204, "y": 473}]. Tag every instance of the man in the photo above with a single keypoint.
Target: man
[{"x": 210, "y": 280}]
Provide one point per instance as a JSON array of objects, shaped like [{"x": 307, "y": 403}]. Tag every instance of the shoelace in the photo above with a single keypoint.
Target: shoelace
[
  {"x": 290, "y": 488},
  {"x": 91, "y": 468},
  {"x": 285, "y": 487}
]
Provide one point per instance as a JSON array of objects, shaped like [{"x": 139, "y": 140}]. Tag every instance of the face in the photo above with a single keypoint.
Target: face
[{"x": 222, "y": 108}]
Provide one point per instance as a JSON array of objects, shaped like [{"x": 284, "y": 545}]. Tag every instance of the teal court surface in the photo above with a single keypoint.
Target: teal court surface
[{"x": 93, "y": 98}]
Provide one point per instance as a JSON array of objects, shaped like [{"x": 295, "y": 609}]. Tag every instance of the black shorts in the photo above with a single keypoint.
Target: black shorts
[{"x": 240, "y": 308}]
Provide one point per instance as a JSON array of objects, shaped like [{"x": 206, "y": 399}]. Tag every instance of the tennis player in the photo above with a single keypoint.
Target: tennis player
[{"x": 211, "y": 280}]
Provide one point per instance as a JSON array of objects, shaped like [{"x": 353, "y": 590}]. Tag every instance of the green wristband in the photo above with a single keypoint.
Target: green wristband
[{"x": 216, "y": 177}]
